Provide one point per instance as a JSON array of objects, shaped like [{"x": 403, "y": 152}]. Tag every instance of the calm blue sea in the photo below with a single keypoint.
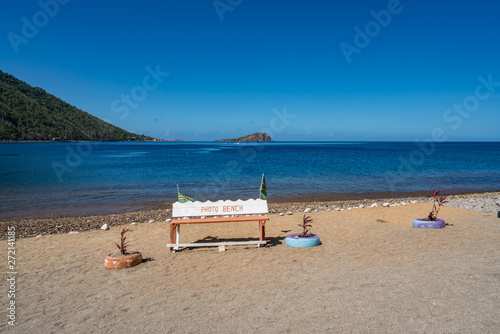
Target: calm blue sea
[{"x": 43, "y": 179}]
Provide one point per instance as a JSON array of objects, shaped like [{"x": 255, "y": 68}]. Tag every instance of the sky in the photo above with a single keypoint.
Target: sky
[{"x": 311, "y": 70}]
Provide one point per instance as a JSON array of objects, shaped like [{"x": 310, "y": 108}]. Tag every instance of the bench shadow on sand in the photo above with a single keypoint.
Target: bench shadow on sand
[{"x": 271, "y": 242}]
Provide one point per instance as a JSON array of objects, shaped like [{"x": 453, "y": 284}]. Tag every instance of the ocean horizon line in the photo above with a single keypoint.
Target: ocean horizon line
[{"x": 164, "y": 141}]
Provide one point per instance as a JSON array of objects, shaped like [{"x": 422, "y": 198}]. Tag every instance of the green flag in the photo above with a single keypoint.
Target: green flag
[
  {"x": 183, "y": 198},
  {"x": 263, "y": 188}
]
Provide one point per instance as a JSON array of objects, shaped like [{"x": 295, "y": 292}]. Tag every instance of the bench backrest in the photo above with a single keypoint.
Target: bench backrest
[{"x": 219, "y": 208}]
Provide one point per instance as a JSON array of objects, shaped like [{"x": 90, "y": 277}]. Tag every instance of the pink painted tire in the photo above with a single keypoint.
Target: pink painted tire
[{"x": 421, "y": 223}]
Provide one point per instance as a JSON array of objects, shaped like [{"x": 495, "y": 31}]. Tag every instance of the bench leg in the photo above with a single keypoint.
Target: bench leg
[
  {"x": 262, "y": 231},
  {"x": 177, "y": 236},
  {"x": 172, "y": 236}
]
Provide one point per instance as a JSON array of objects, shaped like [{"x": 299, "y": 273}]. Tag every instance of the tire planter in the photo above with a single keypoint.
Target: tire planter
[
  {"x": 292, "y": 240},
  {"x": 421, "y": 223},
  {"x": 114, "y": 262}
]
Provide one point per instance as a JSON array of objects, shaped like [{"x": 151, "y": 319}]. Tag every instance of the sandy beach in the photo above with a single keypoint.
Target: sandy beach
[
  {"x": 154, "y": 116},
  {"x": 373, "y": 272}
]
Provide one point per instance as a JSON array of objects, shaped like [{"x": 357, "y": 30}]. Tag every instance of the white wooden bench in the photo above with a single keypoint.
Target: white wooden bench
[{"x": 217, "y": 212}]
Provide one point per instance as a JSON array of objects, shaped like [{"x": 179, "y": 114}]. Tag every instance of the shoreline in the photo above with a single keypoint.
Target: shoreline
[
  {"x": 102, "y": 209},
  {"x": 488, "y": 202}
]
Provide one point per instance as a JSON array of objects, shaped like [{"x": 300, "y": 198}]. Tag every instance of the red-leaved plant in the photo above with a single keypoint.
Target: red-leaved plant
[
  {"x": 123, "y": 245},
  {"x": 438, "y": 202},
  {"x": 306, "y": 226}
]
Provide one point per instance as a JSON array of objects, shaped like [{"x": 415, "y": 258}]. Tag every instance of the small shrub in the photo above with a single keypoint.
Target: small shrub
[
  {"x": 306, "y": 227},
  {"x": 123, "y": 245},
  {"x": 438, "y": 202}
]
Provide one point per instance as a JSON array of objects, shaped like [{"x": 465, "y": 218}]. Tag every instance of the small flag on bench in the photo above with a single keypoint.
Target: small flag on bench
[
  {"x": 183, "y": 198},
  {"x": 263, "y": 188}
]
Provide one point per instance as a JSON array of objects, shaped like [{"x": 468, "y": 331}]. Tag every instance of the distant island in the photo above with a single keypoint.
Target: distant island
[
  {"x": 255, "y": 137},
  {"x": 31, "y": 114}
]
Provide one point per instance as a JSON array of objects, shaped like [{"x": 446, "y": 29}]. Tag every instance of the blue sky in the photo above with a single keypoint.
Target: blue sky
[{"x": 237, "y": 66}]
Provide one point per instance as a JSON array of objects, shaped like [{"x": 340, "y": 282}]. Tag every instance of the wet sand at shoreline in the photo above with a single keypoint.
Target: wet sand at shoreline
[{"x": 373, "y": 272}]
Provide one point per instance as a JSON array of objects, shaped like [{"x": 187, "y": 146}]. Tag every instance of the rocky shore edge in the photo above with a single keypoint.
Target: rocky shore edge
[{"x": 484, "y": 202}]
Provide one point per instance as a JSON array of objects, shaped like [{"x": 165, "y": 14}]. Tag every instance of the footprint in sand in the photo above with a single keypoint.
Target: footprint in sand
[{"x": 52, "y": 311}]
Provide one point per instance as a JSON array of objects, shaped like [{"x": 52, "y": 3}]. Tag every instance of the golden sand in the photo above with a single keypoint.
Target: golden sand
[{"x": 372, "y": 273}]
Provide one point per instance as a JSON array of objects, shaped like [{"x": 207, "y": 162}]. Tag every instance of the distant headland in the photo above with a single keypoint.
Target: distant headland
[{"x": 254, "y": 137}]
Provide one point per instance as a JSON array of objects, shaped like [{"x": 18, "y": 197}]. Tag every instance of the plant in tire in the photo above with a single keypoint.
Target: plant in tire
[
  {"x": 304, "y": 239},
  {"x": 432, "y": 220},
  {"x": 123, "y": 258}
]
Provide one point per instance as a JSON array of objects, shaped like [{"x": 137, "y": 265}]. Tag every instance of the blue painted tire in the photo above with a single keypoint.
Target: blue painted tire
[
  {"x": 292, "y": 240},
  {"x": 420, "y": 223}
]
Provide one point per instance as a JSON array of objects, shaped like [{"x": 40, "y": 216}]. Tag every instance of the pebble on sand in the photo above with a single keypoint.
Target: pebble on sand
[{"x": 105, "y": 227}]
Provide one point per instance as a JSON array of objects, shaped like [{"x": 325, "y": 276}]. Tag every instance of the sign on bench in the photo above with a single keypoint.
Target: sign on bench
[{"x": 217, "y": 212}]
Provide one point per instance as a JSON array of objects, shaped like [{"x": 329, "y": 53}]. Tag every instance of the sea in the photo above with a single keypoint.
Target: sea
[{"x": 88, "y": 178}]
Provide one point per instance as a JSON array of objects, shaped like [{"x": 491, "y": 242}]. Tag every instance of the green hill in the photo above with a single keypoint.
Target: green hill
[
  {"x": 30, "y": 113},
  {"x": 255, "y": 137}
]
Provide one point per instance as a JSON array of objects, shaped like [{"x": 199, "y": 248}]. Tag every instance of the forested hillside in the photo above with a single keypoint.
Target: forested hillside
[{"x": 30, "y": 113}]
